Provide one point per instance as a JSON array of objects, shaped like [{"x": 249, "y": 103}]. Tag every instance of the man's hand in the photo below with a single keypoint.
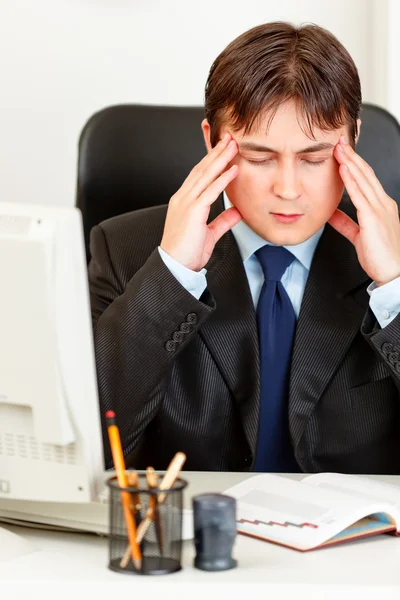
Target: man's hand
[
  {"x": 377, "y": 236},
  {"x": 187, "y": 237}
]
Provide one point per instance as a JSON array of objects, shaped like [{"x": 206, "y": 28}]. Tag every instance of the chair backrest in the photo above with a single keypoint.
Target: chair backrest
[
  {"x": 379, "y": 145},
  {"x": 133, "y": 156}
]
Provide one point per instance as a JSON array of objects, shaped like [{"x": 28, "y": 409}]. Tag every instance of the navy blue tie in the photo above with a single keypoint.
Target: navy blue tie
[{"x": 276, "y": 327}]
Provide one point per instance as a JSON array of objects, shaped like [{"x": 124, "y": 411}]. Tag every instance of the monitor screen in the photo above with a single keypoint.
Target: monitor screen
[{"x": 50, "y": 432}]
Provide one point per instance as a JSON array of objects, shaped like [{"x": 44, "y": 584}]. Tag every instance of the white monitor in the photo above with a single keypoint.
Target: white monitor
[
  {"x": 50, "y": 433},
  {"x": 51, "y": 455}
]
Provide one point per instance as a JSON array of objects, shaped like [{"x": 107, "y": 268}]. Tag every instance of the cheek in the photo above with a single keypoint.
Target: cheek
[
  {"x": 250, "y": 176},
  {"x": 324, "y": 192},
  {"x": 325, "y": 183},
  {"x": 246, "y": 183}
]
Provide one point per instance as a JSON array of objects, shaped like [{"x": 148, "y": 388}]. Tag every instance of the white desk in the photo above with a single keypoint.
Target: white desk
[{"x": 362, "y": 569}]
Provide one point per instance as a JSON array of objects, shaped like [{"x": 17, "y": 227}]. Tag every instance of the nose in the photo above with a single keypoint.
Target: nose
[{"x": 286, "y": 183}]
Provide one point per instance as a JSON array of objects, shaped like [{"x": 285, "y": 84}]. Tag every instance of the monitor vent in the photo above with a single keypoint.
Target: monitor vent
[
  {"x": 21, "y": 446},
  {"x": 14, "y": 224}
]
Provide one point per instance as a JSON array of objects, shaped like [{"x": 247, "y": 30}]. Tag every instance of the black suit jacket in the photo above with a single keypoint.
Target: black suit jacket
[{"x": 183, "y": 374}]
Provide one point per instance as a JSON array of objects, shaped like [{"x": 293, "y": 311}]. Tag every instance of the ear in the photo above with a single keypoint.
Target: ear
[
  {"x": 358, "y": 129},
  {"x": 205, "y": 125}
]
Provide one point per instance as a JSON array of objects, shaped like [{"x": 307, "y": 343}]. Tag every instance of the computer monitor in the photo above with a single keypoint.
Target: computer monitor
[
  {"x": 51, "y": 456},
  {"x": 50, "y": 432}
]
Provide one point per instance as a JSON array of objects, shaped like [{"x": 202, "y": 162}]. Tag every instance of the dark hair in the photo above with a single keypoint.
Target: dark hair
[{"x": 276, "y": 62}]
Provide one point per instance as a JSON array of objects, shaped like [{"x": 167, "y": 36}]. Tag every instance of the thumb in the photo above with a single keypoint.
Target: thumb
[
  {"x": 224, "y": 222},
  {"x": 344, "y": 225}
]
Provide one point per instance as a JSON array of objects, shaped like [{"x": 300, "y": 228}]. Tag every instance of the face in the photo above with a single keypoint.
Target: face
[{"x": 288, "y": 185}]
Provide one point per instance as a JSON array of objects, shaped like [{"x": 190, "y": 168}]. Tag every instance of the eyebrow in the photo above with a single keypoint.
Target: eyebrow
[{"x": 259, "y": 148}]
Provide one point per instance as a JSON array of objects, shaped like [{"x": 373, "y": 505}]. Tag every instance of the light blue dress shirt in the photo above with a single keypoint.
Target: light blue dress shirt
[{"x": 384, "y": 301}]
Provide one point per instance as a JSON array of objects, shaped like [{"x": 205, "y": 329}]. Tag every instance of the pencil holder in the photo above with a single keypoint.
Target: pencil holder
[{"x": 155, "y": 515}]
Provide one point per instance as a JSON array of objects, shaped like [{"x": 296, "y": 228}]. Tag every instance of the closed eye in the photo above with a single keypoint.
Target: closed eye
[
  {"x": 268, "y": 161},
  {"x": 314, "y": 162}
]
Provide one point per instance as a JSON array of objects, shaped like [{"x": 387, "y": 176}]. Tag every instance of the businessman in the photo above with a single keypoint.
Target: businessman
[{"x": 251, "y": 323}]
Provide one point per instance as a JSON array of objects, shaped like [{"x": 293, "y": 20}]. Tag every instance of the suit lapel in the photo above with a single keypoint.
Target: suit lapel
[
  {"x": 328, "y": 321},
  {"x": 231, "y": 332}
]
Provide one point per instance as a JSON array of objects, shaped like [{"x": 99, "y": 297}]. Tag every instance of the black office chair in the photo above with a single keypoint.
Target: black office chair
[{"x": 133, "y": 156}]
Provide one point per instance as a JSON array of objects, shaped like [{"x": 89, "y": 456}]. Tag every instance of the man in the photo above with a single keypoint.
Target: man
[{"x": 251, "y": 323}]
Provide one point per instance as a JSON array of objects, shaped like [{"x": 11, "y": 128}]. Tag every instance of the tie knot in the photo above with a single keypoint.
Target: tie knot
[{"x": 274, "y": 261}]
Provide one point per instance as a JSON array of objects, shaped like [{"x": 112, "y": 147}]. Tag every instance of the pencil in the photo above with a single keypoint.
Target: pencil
[
  {"x": 133, "y": 482},
  {"x": 152, "y": 482},
  {"x": 167, "y": 482},
  {"x": 169, "y": 478},
  {"x": 119, "y": 464}
]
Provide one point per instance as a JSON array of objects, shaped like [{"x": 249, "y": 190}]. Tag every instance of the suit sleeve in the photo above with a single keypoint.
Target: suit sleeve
[
  {"x": 193, "y": 281},
  {"x": 138, "y": 332},
  {"x": 385, "y": 341}
]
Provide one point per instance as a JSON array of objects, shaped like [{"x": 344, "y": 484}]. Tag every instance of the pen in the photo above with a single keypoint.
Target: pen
[{"x": 119, "y": 464}]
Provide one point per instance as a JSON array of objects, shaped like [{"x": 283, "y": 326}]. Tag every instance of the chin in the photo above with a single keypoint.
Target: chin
[{"x": 286, "y": 236}]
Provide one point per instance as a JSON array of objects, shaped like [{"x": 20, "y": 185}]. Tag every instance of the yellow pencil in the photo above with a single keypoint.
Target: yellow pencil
[{"x": 119, "y": 464}]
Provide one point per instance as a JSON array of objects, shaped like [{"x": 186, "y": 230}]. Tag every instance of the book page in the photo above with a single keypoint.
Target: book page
[
  {"x": 292, "y": 513},
  {"x": 371, "y": 525},
  {"x": 363, "y": 487}
]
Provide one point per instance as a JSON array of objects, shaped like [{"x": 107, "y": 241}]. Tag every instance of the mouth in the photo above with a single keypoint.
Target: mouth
[{"x": 286, "y": 218}]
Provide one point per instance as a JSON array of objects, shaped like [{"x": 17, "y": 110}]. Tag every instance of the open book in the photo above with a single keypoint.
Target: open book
[{"x": 318, "y": 511}]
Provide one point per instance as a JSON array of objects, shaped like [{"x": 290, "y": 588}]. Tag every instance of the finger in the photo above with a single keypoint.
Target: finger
[
  {"x": 364, "y": 167},
  {"x": 356, "y": 196},
  {"x": 344, "y": 225},
  {"x": 224, "y": 222},
  {"x": 358, "y": 175},
  {"x": 204, "y": 164},
  {"x": 207, "y": 176},
  {"x": 214, "y": 190}
]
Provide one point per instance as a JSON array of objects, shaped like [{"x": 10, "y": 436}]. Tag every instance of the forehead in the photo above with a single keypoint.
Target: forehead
[{"x": 287, "y": 124}]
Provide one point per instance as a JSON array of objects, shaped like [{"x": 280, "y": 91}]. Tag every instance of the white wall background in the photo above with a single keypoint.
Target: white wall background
[
  {"x": 61, "y": 60},
  {"x": 393, "y": 52}
]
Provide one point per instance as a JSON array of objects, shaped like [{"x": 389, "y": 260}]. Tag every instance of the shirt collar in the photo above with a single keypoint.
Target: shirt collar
[{"x": 249, "y": 242}]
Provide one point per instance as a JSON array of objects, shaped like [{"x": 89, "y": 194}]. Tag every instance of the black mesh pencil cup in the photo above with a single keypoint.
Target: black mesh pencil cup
[{"x": 157, "y": 519}]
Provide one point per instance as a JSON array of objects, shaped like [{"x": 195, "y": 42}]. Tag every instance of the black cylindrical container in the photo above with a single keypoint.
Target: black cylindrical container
[{"x": 214, "y": 517}]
